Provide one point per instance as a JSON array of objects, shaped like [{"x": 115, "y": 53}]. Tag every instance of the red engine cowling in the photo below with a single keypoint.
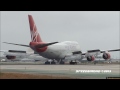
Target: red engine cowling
[
  {"x": 10, "y": 57},
  {"x": 106, "y": 56},
  {"x": 90, "y": 58}
]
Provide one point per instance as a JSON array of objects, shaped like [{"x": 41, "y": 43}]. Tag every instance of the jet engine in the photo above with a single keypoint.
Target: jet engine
[
  {"x": 106, "y": 56},
  {"x": 90, "y": 58},
  {"x": 10, "y": 57}
]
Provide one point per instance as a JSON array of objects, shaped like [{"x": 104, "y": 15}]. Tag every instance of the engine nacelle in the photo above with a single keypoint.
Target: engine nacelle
[
  {"x": 106, "y": 56},
  {"x": 90, "y": 58},
  {"x": 10, "y": 57}
]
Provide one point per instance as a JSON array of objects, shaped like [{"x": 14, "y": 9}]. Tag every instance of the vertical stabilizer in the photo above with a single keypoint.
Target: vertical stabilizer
[{"x": 35, "y": 37}]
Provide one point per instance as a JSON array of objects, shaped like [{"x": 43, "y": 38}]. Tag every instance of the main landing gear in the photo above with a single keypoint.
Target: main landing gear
[
  {"x": 50, "y": 62},
  {"x": 73, "y": 62},
  {"x": 60, "y": 62},
  {"x": 47, "y": 62},
  {"x": 53, "y": 62}
]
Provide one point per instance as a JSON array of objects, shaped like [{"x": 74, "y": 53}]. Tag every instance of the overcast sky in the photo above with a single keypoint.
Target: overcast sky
[{"x": 91, "y": 29}]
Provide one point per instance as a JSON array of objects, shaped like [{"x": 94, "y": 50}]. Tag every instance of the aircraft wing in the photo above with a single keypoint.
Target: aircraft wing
[
  {"x": 95, "y": 51},
  {"x": 19, "y": 54},
  {"x": 17, "y": 44},
  {"x": 15, "y": 52},
  {"x": 90, "y": 55},
  {"x": 111, "y": 50}
]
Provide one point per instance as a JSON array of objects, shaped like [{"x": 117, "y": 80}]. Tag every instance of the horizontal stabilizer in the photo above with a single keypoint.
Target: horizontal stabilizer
[
  {"x": 44, "y": 45},
  {"x": 17, "y": 44}
]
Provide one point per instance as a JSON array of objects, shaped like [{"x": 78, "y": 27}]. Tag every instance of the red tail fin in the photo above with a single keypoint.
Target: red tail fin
[{"x": 35, "y": 37}]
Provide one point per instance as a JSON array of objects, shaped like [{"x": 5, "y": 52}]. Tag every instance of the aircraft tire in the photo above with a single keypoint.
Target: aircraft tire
[
  {"x": 73, "y": 63},
  {"x": 47, "y": 62},
  {"x": 53, "y": 62}
]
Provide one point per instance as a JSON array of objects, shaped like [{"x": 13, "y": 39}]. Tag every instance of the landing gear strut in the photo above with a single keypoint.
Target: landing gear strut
[
  {"x": 61, "y": 62},
  {"x": 48, "y": 62}
]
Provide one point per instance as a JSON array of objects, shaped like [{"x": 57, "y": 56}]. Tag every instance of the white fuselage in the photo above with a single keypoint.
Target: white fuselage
[{"x": 60, "y": 50}]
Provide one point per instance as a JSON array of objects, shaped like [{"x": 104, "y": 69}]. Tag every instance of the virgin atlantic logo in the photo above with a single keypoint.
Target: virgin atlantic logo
[{"x": 34, "y": 34}]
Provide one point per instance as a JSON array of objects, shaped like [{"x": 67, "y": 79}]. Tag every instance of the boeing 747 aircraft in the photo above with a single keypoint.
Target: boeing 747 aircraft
[{"x": 60, "y": 51}]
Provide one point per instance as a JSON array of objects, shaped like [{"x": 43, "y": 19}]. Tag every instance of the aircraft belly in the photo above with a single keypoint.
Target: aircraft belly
[{"x": 50, "y": 55}]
